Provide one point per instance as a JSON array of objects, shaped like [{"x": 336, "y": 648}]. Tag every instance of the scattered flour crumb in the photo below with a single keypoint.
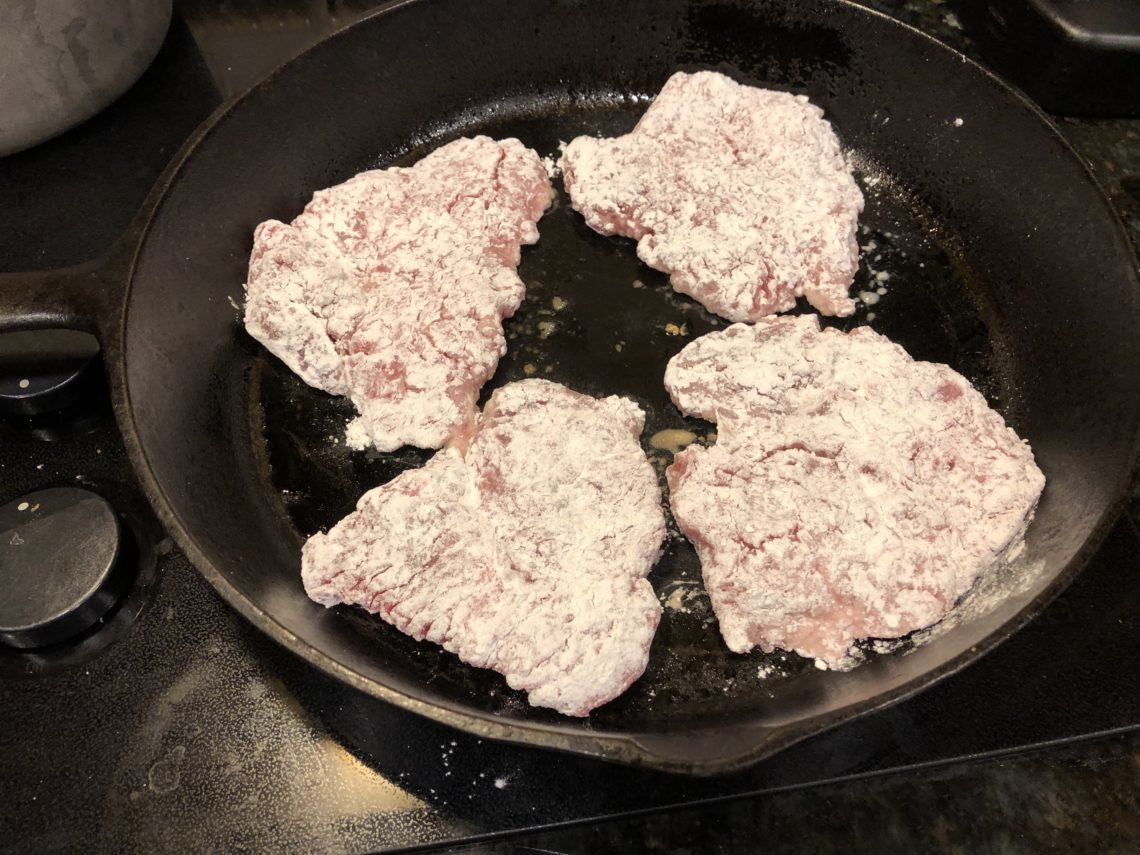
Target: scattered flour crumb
[
  {"x": 356, "y": 435},
  {"x": 869, "y": 298},
  {"x": 530, "y": 368},
  {"x": 551, "y": 167},
  {"x": 676, "y": 599},
  {"x": 558, "y": 303},
  {"x": 959, "y": 122},
  {"x": 501, "y": 783},
  {"x": 545, "y": 328}
]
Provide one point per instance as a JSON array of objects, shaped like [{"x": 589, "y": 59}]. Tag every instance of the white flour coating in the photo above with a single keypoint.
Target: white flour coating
[
  {"x": 392, "y": 287},
  {"x": 741, "y": 194},
  {"x": 527, "y": 553},
  {"x": 852, "y": 493}
]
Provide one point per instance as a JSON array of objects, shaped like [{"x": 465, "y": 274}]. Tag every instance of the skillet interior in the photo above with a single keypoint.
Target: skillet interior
[{"x": 1004, "y": 262}]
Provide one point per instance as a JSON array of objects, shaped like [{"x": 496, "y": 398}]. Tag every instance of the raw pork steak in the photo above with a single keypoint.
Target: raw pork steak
[
  {"x": 852, "y": 493},
  {"x": 741, "y": 194},
  {"x": 527, "y": 553},
  {"x": 392, "y": 287}
]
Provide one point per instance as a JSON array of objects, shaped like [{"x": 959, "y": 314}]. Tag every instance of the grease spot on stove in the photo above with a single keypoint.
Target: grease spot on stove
[{"x": 166, "y": 773}]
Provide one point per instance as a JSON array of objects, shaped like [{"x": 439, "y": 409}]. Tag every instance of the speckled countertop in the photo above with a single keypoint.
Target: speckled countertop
[{"x": 1078, "y": 798}]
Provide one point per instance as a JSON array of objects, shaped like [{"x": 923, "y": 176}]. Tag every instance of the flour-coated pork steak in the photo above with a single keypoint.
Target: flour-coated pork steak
[
  {"x": 852, "y": 492},
  {"x": 526, "y": 552},
  {"x": 741, "y": 194},
  {"x": 392, "y": 287}
]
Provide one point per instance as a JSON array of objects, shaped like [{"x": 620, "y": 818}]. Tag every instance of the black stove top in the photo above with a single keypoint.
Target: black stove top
[{"x": 173, "y": 725}]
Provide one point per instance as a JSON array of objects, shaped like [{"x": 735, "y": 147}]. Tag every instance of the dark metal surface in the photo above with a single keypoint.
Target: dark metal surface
[
  {"x": 1075, "y": 57},
  {"x": 60, "y": 567},
  {"x": 1018, "y": 239},
  {"x": 45, "y": 370}
]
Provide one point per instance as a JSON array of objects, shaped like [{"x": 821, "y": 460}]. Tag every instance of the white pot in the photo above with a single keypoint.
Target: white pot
[{"x": 62, "y": 61}]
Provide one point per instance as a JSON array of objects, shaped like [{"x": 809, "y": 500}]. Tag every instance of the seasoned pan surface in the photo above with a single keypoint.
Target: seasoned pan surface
[{"x": 1001, "y": 255}]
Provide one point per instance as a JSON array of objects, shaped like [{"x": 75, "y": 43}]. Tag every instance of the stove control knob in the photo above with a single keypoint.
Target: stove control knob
[
  {"x": 43, "y": 371},
  {"x": 60, "y": 572}
]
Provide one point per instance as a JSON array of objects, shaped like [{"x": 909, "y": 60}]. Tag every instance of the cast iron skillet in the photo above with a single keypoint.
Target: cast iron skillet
[{"x": 1005, "y": 261}]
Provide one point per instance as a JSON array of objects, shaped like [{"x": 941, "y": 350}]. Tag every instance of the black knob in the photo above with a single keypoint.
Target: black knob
[
  {"x": 42, "y": 371},
  {"x": 59, "y": 565}
]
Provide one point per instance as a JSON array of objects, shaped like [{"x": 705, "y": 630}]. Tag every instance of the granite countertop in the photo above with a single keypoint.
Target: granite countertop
[{"x": 1082, "y": 797}]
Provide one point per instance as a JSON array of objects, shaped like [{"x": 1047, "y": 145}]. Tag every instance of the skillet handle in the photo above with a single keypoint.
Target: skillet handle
[{"x": 89, "y": 297}]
